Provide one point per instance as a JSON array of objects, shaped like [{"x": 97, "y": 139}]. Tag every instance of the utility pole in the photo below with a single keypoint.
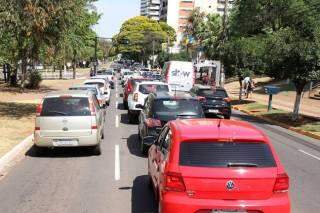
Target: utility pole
[
  {"x": 153, "y": 43},
  {"x": 95, "y": 63},
  {"x": 224, "y": 37}
]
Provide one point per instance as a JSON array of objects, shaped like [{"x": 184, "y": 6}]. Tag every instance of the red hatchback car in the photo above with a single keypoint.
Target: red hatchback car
[{"x": 217, "y": 166}]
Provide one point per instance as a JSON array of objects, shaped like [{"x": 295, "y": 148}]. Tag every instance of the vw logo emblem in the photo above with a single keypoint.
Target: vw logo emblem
[{"x": 230, "y": 185}]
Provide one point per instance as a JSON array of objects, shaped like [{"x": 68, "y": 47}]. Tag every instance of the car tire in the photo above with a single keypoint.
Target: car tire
[
  {"x": 227, "y": 117},
  {"x": 130, "y": 117},
  {"x": 125, "y": 104},
  {"x": 96, "y": 150}
]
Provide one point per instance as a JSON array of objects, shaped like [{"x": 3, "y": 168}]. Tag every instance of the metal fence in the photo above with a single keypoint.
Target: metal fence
[{"x": 50, "y": 74}]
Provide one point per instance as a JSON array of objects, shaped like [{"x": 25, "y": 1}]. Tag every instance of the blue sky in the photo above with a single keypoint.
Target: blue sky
[{"x": 114, "y": 13}]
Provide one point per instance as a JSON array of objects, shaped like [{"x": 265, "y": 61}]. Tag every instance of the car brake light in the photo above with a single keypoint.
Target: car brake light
[
  {"x": 150, "y": 122},
  {"x": 92, "y": 108},
  {"x": 228, "y": 100},
  {"x": 37, "y": 128},
  {"x": 282, "y": 183},
  {"x": 174, "y": 182},
  {"x": 39, "y": 109},
  {"x": 135, "y": 97},
  {"x": 94, "y": 127},
  {"x": 202, "y": 99}
]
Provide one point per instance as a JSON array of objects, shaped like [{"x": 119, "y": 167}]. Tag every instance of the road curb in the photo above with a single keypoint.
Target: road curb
[
  {"x": 302, "y": 132},
  {"x": 15, "y": 155}
]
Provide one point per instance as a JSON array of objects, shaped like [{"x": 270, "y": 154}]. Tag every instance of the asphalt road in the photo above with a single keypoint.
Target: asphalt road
[{"x": 73, "y": 181}]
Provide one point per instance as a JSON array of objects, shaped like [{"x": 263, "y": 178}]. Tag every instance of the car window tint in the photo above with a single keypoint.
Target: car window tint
[
  {"x": 66, "y": 106},
  {"x": 152, "y": 88},
  {"x": 100, "y": 84},
  {"x": 175, "y": 107},
  {"x": 214, "y": 154},
  {"x": 93, "y": 90},
  {"x": 211, "y": 92}
]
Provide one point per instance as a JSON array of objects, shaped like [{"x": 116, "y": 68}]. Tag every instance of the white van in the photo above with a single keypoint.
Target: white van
[{"x": 180, "y": 75}]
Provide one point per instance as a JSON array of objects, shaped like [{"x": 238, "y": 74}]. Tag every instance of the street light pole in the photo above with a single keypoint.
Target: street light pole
[{"x": 95, "y": 63}]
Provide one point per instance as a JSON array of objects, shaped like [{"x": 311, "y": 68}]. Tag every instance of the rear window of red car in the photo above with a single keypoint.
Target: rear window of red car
[{"x": 226, "y": 154}]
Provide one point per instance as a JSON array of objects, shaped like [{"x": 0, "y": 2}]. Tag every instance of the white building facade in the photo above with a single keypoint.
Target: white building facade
[
  {"x": 177, "y": 12},
  {"x": 151, "y": 9}
]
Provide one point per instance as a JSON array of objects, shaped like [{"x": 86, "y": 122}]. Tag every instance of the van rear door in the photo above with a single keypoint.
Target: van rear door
[{"x": 181, "y": 76}]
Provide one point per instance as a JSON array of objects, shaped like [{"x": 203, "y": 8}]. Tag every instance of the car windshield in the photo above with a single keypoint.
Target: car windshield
[
  {"x": 92, "y": 89},
  {"x": 65, "y": 106},
  {"x": 152, "y": 88},
  {"x": 177, "y": 108},
  {"x": 212, "y": 92},
  {"x": 109, "y": 72},
  {"x": 226, "y": 154}
]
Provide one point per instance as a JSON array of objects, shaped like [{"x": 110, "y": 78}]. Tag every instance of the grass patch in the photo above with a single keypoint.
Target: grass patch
[{"x": 304, "y": 123}]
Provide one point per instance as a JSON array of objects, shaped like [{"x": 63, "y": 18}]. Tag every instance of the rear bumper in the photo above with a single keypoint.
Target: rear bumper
[
  {"x": 175, "y": 202},
  {"x": 45, "y": 141}
]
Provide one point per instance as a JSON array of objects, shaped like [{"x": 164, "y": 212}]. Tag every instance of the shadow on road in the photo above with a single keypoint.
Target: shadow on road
[
  {"x": 70, "y": 152},
  {"x": 143, "y": 199},
  {"x": 134, "y": 146},
  {"x": 248, "y": 118},
  {"x": 125, "y": 120}
]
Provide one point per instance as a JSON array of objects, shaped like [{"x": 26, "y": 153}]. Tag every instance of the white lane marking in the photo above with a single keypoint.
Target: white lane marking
[
  {"x": 311, "y": 155},
  {"x": 117, "y": 105},
  {"x": 117, "y": 163},
  {"x": 117, "y": 121}
]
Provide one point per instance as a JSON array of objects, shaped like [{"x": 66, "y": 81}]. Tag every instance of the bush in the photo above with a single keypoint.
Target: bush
[{"x": 34, "y": 80}]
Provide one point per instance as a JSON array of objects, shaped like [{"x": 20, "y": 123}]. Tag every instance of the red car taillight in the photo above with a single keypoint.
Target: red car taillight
[
  {"x": 135, "y": 97},
  {"x": 39, "y": 109},
  {"x": 92, "y": 108},
  {"x": 94, "y": 127},
  {"x": 150, "y": 122},
  {"x": 282, "y": 183},
  {"x": 174, "y": 182},
  {"x": 37, "y": 128}
]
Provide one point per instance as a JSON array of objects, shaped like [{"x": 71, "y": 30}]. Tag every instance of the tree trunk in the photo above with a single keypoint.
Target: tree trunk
[
  {"x": 23, "y": 71},
  {"x": 299, "y": 90},
  {"x": 74, "y": 64},
  {"x": 240, "y": 90}
]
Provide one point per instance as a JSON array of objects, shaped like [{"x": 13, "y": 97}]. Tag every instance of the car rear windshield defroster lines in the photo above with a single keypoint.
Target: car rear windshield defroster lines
[{"x": 216, "y": 154}]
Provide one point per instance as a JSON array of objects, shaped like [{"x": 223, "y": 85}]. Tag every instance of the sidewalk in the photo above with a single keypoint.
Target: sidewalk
[{"x": 284, "y": 100}]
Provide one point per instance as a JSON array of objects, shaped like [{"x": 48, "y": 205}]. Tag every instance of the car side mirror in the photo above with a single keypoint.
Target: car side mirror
[
  {"x": 149, "y": 140},
  {"x": 139, "y": 106}
]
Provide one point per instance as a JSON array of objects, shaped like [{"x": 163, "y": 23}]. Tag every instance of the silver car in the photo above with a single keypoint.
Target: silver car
[{"x": 69, "y": 119}]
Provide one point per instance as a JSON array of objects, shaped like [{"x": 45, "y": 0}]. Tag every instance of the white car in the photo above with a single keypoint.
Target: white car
[
  {"x": 69, "y": 119},
  {"x": 95, "y": 90},
  {"x": 137, "y": 98},
  {"x": 103, "y": 86},
  {"x": 108, "y": 75}
]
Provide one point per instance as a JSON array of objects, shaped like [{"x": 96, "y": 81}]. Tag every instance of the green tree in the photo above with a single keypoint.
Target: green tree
[
  {"x": 141, "y": 37},
  {"x": 289, "y": 33}
]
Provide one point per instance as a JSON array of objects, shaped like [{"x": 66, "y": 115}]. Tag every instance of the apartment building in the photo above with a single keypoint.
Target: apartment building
[
  {"x": 150, "y": 8},
  {"x": 177, "y": 12}
]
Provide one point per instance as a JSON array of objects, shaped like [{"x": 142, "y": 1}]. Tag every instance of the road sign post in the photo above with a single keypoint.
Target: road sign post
[{"x": 271, "y": 90}]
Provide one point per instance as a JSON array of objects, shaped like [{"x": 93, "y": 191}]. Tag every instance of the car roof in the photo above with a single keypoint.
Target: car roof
[
  {"x": 222, "y": 129},
  {"x": 173, "y": 95},
  {"x": 93, "y": 80},
  {"x": 200, "y": 86},
  {"x": 73, "y": 93},
  {"x": 84, "y": 86},
  {"x": 152, "y": 82}
]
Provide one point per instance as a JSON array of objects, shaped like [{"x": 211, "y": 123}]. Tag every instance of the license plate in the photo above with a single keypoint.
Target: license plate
[
  {"x": 213, "y": 111},
  {"x": 65, "y": 143}
]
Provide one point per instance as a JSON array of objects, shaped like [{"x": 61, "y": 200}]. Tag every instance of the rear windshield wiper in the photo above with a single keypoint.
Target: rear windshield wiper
[
  {"x": 242, "y": 165},
  {"x": 57, "y": 112}
]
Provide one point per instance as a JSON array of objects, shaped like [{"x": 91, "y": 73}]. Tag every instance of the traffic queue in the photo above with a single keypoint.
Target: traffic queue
[{"x": 199, "y": 159}]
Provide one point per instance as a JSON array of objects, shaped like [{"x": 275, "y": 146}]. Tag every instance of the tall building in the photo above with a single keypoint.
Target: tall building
[
  {"x": 177, "y": 12},
  {"x": 150, "y": 8}
]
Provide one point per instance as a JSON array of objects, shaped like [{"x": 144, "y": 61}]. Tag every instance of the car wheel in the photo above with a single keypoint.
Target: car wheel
[
  {"x": 130, "y": 117},
  {"x": 125, "y": 104},
  {"x": 96, "y": 150},
  {"x": 227, "y": 117}
]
